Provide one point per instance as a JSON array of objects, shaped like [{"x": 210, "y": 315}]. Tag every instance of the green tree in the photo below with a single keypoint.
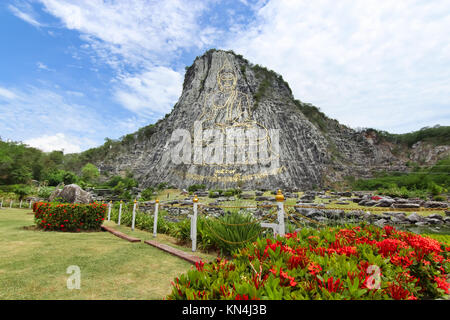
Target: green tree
[{"x": 89, "y": 173}]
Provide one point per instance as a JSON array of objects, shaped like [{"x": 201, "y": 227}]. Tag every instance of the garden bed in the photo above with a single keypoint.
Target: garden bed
[{"x": 359, "y": 262}]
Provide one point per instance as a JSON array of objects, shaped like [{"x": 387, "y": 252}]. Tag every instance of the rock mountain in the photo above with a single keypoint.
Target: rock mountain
[{"x": 253, "y": 133}]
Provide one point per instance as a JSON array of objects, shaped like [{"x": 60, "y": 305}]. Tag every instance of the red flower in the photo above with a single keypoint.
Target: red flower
[
  {"x": 331, "y": 285},
  {"x": 397, "y": 292},
  {"x": 199, "y": 265},
  {"x": 442, "y": 283},
  {"x": 314, "y": 268}
]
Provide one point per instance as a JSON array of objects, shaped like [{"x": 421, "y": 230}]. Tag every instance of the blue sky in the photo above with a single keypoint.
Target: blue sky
[{"x": 75, "y": 72}]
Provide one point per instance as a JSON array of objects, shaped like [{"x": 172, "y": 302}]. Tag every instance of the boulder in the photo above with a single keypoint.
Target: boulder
[
  {"x": 345, "y": 194},
  {"x": 263, "y": 198},
  {"x": 435, "y": 204},
  {"x": 414, "y": 217},
  {"x": 71, "y": 193},
  {"x": 435, "y": 216},
  {"x": 406, "y": 205},
  {"x": 247, "y": 196},
  {"x": 385, "y": 202},
  {"x": 433, "y": 221},
  {"x": 381, "y": 222}
]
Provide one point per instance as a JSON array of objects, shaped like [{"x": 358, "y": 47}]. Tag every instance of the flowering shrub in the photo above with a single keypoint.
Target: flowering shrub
[
  {"x": 359, "y": 262},
  {"x": 69, "y": 217}
]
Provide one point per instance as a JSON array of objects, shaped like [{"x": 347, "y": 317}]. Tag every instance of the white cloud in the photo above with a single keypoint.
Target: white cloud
[
  {"x": 7, "y": 94},
  {"x": 144, "y": 35},
  {"x": 154, "y": 91},
  {"x": 50, "y": 120},
  {"x": 33, "y": 111},
  {"x": 25, "y": 13},
  {"x": 57, "y": 142},
  {"x": 366, "y": 63},
  {"x": 43, "y": 66},
  {"x": 136, "y": 30}
]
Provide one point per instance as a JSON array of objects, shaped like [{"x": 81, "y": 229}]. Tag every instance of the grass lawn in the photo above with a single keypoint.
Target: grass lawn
[{"x": 33, "y": 263}]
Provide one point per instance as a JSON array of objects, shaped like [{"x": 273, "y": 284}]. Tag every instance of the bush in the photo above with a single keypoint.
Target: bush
[
  {"x": 162, "y": 186},
  {"x": 22, "y": 191},
  {"x": 147, "y": 193},
  {"x": 329, "y": 263},
  {"x": 196, "y": 187},
  {"x": 231, "y": 231},
  {"x": 439, "y": 198},
  {"x": 69, "y": 217},
  {"x": 45, "y": 192}
]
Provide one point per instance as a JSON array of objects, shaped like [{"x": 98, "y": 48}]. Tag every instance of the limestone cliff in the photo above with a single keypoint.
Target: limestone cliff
[{"x": 226, "y": 93}]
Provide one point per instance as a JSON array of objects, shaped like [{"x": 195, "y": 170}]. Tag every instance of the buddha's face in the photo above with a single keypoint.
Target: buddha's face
[{"x": 227, "y": 81}]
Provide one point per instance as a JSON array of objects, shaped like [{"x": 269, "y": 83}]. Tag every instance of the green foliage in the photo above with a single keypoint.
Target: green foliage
[
  {"x": 215, "y": 193},
  {"x": 231, "y": 231},
  {"x": 56, "y": 177},
  {"x": 45, "y": 192},
  {"x": 314, "y": 115},
  {"x": 439, "y": 198},
  {"x": 232, "y": 192},
  {"x": 147, "y": 193},
  {"x": 416, "y": 183},
  {"x": 437, "y": 135},
  {"x": 267, "y": 78},
  {"x": 20, "y": 163},
  {"x": 196, "y": 187},
  {"x": 162, "y": 186},
  {"x": 69, "y": 217},
  {"x": 90, "y": 173},
  {"x": 22, "y": 191}
]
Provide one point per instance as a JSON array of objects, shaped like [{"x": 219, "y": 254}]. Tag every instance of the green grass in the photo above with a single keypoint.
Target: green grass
[
  {"x": 444, "y": 238},
  {"x": 33, "y": 264},
  {"x": 162, "y": 238}
]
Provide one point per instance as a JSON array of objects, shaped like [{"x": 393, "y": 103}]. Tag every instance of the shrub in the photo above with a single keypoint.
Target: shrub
[
  {"x": 231, "y": 231},
  {"x": 439, "y": 198},
  {"x": 196, "y": 187},
  {"x": 162, "y": 186},
  {"x": 22, "y": 191},
  {"x": 69, "y": 217},
  {"x": 330, "y": 263},
  {"x": 45, "y": 192},
  {"x": 147, "y": 193}
]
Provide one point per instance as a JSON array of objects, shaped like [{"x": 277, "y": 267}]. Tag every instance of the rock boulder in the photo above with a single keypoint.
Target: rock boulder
[{"x": 71, "y": 193}]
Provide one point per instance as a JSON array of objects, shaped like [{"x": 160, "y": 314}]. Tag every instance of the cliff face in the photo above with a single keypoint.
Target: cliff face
[{"x": 237, "y": 124}]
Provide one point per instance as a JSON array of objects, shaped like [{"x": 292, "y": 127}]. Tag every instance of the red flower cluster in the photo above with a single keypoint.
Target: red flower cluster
[{"x": 69, "y": 217}]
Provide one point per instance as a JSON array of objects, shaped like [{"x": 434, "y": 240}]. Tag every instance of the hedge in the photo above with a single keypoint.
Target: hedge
[{"x": 69, "y": 217}]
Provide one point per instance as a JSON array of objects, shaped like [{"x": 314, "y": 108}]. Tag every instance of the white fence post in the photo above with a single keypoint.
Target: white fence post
[
  {"x": 29, "y": 206},
  {"x": 10, "y": 204},
  {"x": 155, "y": 219},
  {"x": 134, "y": 215},
  {"x": 109, "y": 210},
  {"x": 120, "y": 212},
  {"x": 278, "y": 228},
  {"x": 1, "y": 204},
  {"x": 194, "y": 225},
  {"x": 20, "y": 206},
  {"x": 280, "y": 202}
]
